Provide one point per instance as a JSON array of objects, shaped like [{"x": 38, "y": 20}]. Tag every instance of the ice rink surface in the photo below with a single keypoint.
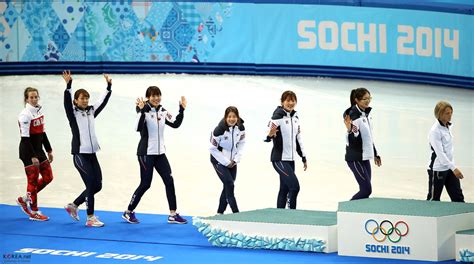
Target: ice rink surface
[{"x": 402, "y": 116}]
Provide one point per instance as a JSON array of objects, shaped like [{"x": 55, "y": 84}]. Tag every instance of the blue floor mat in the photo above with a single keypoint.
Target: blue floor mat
[
  {"x": 152, "y": 229},
  {"x": 62, "y": 240}
]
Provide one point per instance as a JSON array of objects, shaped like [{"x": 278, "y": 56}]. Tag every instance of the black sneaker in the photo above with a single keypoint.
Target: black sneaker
[
  {"x": 176, "y": 219},
  {"x": 130, "y": 217}
]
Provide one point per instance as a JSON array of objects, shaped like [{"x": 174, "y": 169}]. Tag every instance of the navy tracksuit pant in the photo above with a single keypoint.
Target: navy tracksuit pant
[
  {"x": 438, "y": 179},
  {"x": 91, "y": 174},
  {"x": 227, "y": 176},
  {"x": 289, "y": 185},
  {"x": 162, "y": 166},
  {"x": 363, "y": 174}
]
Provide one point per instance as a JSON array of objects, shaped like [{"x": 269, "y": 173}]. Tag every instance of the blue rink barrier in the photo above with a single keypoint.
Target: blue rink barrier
[{"x": 17, "y": 68}]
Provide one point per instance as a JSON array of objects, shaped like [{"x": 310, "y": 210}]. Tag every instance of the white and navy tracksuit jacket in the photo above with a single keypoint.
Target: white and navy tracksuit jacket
[
  {"x": 359, "y": 141},
  {"x": 82, "y": 121},
  {"x": 287, "y": 142},
  {"x": 151, "y": 123},
  {"x": 85, "y": 144},
  {"x": 441, "y": 166},
  {"x": 441, "y": 145},
  {"x": 360, "y": 149},
  {"x": 33, "y": 135},
  {"x": 227, "y": 143}
]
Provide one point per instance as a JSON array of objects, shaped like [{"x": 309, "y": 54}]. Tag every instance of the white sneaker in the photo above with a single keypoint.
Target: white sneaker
[
  {"x": 93, "y": 221},
  {"x": 72, "y": 210}
]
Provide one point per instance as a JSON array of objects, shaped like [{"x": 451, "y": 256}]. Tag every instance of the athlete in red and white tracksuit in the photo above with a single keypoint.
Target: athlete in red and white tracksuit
[{"x": 33, "y": 139}]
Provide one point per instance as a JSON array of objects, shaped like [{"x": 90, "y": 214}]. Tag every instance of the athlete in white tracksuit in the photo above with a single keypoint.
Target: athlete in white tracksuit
[
  {"x": 442, "y": 171},
  {"x": 152, "y": 119},
  {"x": 226, "y": 145},
  {"x": 360, "y": 146},
  {"x": 84, "y": 145},
  {"x": 284, "y": 130}
]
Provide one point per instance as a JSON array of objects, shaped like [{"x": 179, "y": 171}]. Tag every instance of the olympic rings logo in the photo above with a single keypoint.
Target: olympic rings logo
[{"x": 387, "y": 230}]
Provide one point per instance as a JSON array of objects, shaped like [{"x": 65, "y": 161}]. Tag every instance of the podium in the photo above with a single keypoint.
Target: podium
[
  {"x": 278, "y": 229},
  {"x": 401, "y": 229},
  {"x": 465, "y": 245}
]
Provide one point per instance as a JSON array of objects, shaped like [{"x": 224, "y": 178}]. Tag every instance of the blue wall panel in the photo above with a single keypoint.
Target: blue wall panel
[{"x": 354, "y": 39}]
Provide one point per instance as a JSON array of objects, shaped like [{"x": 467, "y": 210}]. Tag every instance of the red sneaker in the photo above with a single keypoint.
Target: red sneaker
[
  {"x": 24, "y": 206},
  {"x": 37, "y": 216}
]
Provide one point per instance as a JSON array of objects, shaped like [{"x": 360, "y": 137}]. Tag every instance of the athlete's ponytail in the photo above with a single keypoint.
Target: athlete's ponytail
[{"x": 352, "y": 98}]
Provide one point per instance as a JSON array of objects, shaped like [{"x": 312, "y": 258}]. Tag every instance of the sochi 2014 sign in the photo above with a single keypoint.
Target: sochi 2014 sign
[{"x": 386, "y": 232}]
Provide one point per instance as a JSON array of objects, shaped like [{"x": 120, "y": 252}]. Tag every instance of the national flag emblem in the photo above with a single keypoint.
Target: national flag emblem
[
  {"x": 273, "y": 125},
  {"x": 354, "y": 129},
  {"x": 214, "y": 142}
]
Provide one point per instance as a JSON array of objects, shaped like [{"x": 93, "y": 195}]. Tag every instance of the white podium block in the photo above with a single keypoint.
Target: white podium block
[
  {"x": 401, "y": 229},
  {"x": 278, "y": 229},
  {"x": 465, "y": 246}
]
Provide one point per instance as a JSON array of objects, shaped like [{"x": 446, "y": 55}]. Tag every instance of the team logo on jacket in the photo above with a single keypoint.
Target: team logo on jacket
[
  {"x": 226, "y": 137},
  {"x": 37, "y": 125},
  {"x": 287, "y": 122},
  {"x": 37, "y": 122}
]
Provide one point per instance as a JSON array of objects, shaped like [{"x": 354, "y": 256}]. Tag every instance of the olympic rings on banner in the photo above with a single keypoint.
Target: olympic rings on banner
[{"x": 387, "y": 230}]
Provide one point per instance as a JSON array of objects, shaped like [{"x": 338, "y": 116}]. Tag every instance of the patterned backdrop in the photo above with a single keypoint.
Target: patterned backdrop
[{"x": 109, "y": 31}]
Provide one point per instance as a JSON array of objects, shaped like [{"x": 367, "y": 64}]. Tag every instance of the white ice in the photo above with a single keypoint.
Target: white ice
[{"x": 402, "y": 116}]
